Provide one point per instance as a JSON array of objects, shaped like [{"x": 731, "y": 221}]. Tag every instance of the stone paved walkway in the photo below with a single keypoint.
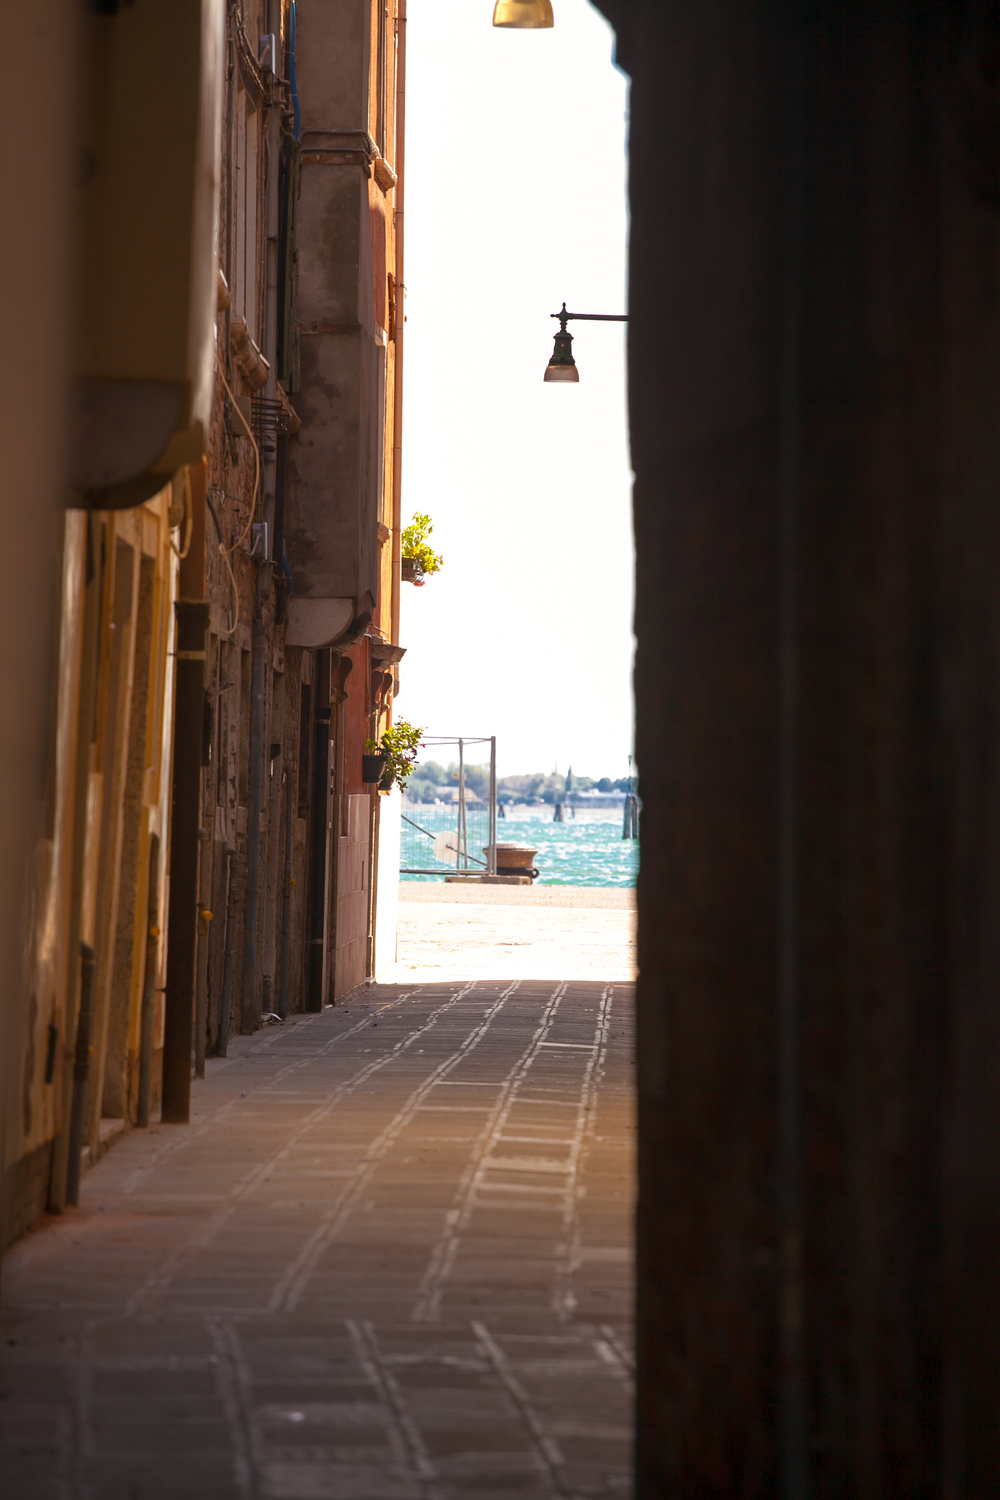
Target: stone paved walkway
[{"x": 374, "y": 1267}]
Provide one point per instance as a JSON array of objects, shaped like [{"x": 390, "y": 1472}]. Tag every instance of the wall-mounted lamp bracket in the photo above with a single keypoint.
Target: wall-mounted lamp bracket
[{"x": 561, "y": 368}]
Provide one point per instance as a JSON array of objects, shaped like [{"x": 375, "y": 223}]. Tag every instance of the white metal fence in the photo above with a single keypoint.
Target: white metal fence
[{"x": 449, "y": 825}]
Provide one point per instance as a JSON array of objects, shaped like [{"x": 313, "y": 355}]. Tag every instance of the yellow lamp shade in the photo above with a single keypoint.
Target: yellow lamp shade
[{"x": 523, "y": 15}]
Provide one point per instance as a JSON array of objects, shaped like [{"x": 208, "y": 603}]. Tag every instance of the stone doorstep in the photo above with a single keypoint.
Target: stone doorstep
[{"x": 108, "y": 1132}]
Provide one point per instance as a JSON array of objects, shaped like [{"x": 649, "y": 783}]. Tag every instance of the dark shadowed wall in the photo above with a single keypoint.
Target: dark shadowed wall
[{"x": 815, "y": 303}]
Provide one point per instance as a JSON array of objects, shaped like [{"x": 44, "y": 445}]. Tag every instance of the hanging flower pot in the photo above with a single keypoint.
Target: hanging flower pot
[
  {"x": 374, "y": 766},
  {"x": 389, "y": 764},
  {"x": 418, "y": 559}
]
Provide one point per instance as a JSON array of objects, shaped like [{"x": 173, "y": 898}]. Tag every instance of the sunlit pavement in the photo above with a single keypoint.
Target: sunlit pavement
[
  {"x": 493, "y": 932},
  {"x": 389, "y": 1258}
]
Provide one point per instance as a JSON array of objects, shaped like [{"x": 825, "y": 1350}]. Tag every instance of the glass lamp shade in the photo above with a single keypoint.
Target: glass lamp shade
[
  {"x": 561, "y": 372},
  {"x": 524, "y": 15}
]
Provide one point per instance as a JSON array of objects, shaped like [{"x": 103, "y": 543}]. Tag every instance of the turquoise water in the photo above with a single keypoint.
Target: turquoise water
[{"x": 585, "y": 850}]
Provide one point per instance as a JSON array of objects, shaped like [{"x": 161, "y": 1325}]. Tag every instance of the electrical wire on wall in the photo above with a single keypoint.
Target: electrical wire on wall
[
  {"x": 256, "y": 459},
  {"x": 224, "y": 551},
  {"x": 224, "y": 554},
  {"x": 188, "y": 520}
]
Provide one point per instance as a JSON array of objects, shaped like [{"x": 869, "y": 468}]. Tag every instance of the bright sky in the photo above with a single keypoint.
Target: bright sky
[{"x": 515, "y": 201}]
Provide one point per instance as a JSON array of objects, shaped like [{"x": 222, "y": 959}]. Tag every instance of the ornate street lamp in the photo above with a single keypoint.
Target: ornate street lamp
[
  {"x": 523, "y": 15},
  {"x": 562, "y": 365}
]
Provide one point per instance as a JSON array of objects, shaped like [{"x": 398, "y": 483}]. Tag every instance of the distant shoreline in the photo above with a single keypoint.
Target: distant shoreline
[{"x": 578, "y": 801}]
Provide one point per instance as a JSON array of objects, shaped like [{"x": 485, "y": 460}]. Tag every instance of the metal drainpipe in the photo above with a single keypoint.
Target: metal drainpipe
[
  {"x": 232, "y": 911},
  {"x": 283, "y": 577},
  {"x": 148, "y": 1013},
  {"x": 85, "y": 719},
  {"x": 250, "y": 1018},
  {"x": 190, "y": 644},
  {"x": 400, "y": 290},
  {"x": 270, "y": 329},
  {"x": 373, "y": 828},
  {"x": 339, "y": 806},
  {"x": 182, "y": 926},
  {"x": 204, "y": 919},
  {"x": 251, "y": 1005},
  {"x": 230, "y": 129},
  {"x": 320, "y": 839},
  {"x": 81, "y": 1071},
  {"x": 286, "y": 902}
]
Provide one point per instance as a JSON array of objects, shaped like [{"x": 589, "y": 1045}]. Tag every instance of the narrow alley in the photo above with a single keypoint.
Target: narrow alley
[
  {"x": 317, "y": 955},
  {"x": 390, "y": 1257}
]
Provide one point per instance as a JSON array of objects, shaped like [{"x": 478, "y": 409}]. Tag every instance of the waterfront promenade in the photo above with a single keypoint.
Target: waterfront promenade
[{"x": 541, "y": 931}]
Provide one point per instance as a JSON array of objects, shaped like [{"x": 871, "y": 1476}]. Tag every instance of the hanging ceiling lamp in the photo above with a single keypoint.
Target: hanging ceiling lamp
[{"x": 524, "y": 15}]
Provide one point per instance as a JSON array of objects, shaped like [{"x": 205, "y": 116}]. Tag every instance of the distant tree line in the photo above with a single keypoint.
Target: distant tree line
[{"x": 430, "y": 778}]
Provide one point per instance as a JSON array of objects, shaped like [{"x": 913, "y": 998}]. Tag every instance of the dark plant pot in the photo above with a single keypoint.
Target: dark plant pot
[
  {"x": 373, "y": 767},
  {"x": 409, "y": 571},
  {"x": 387, "y": 780}
]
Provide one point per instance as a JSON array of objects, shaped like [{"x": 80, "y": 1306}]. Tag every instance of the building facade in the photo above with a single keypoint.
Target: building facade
[{"x": 228, "y": 608}]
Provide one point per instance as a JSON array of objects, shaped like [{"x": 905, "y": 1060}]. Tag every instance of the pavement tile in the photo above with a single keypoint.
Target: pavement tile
[{"x": 406, "y": 1283}]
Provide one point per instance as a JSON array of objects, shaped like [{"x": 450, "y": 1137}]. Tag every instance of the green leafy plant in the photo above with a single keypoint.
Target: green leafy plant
[
  {"x": 400, "y": 743},
  {"x": 416, "y": 550}
]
